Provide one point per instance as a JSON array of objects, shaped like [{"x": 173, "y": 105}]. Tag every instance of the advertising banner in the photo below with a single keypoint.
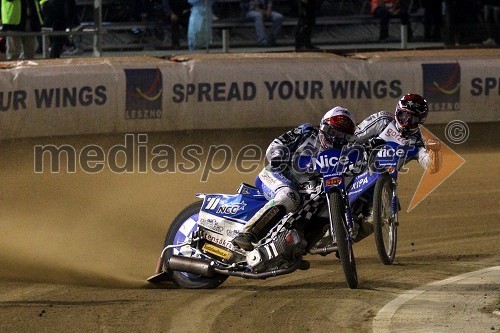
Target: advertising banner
[{"x": 142, "y": 94}]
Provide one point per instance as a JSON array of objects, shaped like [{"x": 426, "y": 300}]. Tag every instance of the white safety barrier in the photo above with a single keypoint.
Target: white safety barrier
[{"x": 132, "y": 94}]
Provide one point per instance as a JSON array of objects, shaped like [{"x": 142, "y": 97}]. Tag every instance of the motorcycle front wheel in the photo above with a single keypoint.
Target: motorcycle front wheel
[
  {"x": 384, "y": 221},
  {"x": 344, "y": 243},
  {"x": 179, "y": 232}
]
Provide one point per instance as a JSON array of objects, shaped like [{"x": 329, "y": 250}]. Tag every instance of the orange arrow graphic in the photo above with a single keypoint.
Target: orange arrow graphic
[{"x": 428, "y": 183}]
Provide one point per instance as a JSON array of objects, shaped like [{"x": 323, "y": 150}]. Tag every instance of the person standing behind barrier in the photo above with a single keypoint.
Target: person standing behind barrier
[
  {"x": 21, "y": 16},
  {"x": 387, "y": 9},
  {"x": 307, "y": 20},
  {"x": 200, "y": 24},
  {"x": 491, "y": 15},
  {"x": 433, "y": 19},
  {"x": 260, "y": 11},
  {"x": 178, "y": 11},
  {"x": 462, "y": 22},
  {"x": 59, "y": 15}
]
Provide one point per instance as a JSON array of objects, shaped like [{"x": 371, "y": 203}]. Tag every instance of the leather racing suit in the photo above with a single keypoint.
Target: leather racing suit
[
  {"x": 281, "y": 178},
  {"x": 377, "y": 123}
]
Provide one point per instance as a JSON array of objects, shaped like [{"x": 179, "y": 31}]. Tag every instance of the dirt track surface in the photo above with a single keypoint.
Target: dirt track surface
[{"x": 75, "y": 249}]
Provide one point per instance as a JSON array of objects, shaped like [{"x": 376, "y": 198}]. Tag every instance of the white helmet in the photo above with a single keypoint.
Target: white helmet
[{"x": 336, "y": 126}]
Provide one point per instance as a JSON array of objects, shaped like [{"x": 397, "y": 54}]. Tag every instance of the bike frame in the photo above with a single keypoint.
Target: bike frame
[{"x": 332, "y": 164}]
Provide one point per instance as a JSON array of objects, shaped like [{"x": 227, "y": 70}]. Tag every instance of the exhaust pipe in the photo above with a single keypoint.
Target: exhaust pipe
[
  {"x": 207, "y": 268},
  {"x": 263, "y": 275},
  {"x": 191, "y": 265},
  {"x": 324, "y": 250}
]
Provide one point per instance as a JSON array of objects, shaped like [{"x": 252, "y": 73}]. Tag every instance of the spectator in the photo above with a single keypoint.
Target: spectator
[
  {"x": 59, "y": 15},
  {"x": 178, "y": 12},
  {"x": 387, "y": 9},
  {"x": 433, "y": 19},
  {"x": 74, "y": 43},
  {"x": 260, "y": 11},
  {"x": 22, "y": 16},
  {"x": 200, "y": 24},
  {"x": 462, "y": 21},
  {"x": 491, "y": 16},
  {"x": 307, "y": 20}
]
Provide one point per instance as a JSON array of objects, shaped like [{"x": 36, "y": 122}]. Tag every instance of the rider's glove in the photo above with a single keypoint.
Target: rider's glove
[
  {"x": 433, "y": 145},
  {"x": 375, "y": 142},
  {"x": 435, "y": 157}
]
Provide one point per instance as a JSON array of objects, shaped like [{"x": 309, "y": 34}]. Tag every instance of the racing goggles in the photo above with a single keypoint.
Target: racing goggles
[
  {"x": 334, "y": 136},
  {"x": 408, "y": 119}
]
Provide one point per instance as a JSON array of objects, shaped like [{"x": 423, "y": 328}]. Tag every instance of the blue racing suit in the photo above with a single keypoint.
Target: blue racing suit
[{"x": 281, "y": 178}]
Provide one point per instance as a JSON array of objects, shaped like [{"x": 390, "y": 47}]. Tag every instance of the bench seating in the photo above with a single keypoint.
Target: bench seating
[{"x": 230, "y": 23}]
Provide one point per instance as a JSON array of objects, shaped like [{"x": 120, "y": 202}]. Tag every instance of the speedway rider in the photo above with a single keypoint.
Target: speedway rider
[
  {"x": 411, "y": 111},
  {"x": 281, "y": 178}
]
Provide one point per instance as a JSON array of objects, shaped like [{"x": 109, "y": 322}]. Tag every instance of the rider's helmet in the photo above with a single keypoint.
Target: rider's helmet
[
  {"x": 335, "y": 128},
  {"x": 411, "y": 111}
]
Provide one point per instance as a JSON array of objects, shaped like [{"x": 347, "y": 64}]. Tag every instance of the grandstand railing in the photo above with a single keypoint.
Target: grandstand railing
[{"x": 354, "y": 12}]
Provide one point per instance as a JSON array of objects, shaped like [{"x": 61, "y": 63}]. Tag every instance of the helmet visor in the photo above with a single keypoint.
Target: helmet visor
[
  {"x": 332, "y": 131},
  {"x": 332, "y": 136},
  {"x": 408, "y": 119}
]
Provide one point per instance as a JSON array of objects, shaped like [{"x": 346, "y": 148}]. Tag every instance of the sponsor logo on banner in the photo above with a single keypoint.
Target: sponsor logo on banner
[
  {"x": 442, "y": 86},
  {"x": 143, "y": 97}
]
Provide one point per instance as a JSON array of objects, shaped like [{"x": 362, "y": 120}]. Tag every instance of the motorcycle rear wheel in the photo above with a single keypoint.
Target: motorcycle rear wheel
[
  {"x": 179, "y": 231},
  {"x": 344, "y": 245},
  {"x": 384, "y": 223}
]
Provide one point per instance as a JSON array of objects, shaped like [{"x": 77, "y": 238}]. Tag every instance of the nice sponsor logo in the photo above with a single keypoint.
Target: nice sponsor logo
[{"x": 143, "y": 97}]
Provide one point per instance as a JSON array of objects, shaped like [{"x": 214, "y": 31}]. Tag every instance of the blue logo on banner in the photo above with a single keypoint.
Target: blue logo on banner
[
  {"x": 442, "y": 86},
  {"x": 144, "y": 89}
]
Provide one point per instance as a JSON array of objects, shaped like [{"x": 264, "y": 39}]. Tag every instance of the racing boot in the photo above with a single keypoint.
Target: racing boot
[{"x": 259, "y": 225}]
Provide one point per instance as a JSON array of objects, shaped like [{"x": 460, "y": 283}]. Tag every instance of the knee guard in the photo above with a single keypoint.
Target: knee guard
[
  {"x": 287, "y": 197},
  {"x": 264, "y": 220}
]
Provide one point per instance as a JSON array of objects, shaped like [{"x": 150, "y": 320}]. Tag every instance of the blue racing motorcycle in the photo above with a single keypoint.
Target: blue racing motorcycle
[{"x": 198, "y": 253}]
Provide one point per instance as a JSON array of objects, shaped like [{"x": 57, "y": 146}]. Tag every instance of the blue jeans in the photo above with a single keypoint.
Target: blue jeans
[
  {"x": 260, "y": 30},
  {"x": 200, "y": 24}
]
